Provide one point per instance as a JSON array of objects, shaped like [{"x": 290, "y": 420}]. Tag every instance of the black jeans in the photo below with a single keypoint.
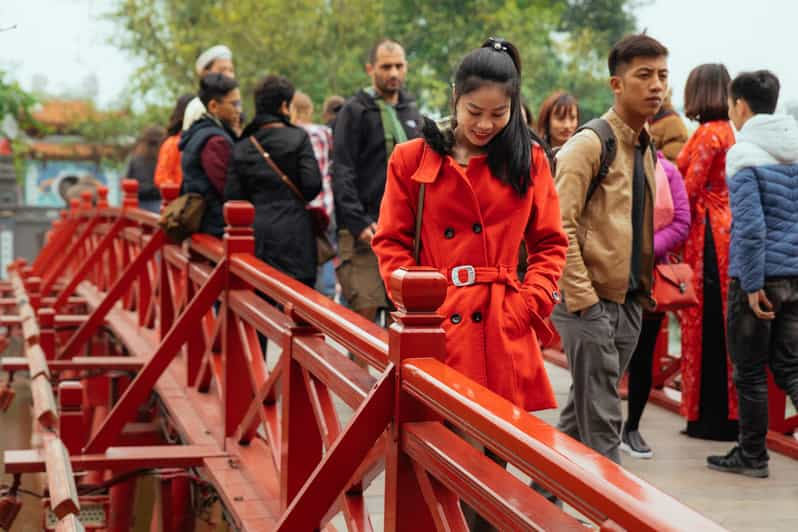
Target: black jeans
[{"x": 753, "y": 345}]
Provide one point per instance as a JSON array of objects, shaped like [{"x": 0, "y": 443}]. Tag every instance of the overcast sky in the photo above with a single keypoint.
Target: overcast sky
[{"x": 66, "y": 39}]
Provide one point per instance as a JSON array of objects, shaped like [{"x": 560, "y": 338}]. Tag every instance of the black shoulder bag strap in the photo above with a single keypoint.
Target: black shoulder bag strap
[{"x": 609, "y": 148}]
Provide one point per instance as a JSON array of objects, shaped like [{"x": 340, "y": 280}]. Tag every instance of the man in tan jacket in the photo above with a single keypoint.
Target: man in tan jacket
[{"x": 610, "y": 259}]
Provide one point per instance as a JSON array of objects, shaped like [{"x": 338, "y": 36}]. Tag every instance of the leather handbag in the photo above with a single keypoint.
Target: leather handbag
[
  {"x": 182, "y": 217},
  {"x": 673, "y": 286},
  {"x": 324, "y": 248}
]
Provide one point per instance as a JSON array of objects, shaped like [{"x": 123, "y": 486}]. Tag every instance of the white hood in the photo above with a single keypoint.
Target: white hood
[{"x": 764, "y": 140}]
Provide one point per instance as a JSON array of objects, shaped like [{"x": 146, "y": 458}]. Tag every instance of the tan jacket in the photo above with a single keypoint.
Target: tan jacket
[
  {"x": 600, "y": 233},
  {"x": 669, "y": 135}
]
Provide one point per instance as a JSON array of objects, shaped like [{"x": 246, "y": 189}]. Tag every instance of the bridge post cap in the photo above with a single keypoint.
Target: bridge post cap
[
  {"x": 130, "y": 186},
  {"x": 239, "y": 213},
  {"x": 87, "y": 196},
  {"x": 102, "y": 194},
  {"x": 418, "y": 289},
  {"x": 63, "y": 214},
  {"x": 74, "y": 203},
  {"x": 170, "y": 191}
]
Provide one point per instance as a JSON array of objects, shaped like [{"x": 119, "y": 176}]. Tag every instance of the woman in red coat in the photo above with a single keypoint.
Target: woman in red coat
[
  {"x": 709, "y": 399},
  {"x": 487, "y": 188}
]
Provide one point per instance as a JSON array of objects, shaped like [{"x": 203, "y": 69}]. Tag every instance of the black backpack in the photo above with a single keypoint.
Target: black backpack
[{"x": 609, "y": 148}]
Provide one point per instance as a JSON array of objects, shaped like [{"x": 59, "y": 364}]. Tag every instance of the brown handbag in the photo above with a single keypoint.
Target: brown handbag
[
  {"x": 324, "y": 249},
  {"x": 673, "y": 287},
  {"x": 182, "y": 217}
]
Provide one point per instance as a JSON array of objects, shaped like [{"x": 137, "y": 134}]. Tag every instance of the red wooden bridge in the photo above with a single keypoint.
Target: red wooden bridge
[{"x": 146, "y": 367}]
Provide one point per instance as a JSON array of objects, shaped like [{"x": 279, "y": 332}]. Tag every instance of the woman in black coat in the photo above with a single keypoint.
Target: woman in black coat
[{"x": 284, "y": 235}]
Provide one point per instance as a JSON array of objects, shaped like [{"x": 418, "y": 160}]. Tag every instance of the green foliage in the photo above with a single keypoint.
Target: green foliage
[
  {"x": 15, "y": 101},
  {"x": 321, "y": 45}
]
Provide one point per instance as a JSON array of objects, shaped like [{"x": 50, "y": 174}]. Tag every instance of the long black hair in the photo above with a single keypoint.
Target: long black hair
[{"x": 509, "y": 152}]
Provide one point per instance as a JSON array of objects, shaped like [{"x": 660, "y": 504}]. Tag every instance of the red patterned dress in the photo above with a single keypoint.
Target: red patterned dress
[{"x": 709, "y": 401}]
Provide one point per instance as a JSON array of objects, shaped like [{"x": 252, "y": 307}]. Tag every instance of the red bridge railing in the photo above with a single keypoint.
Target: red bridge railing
[{"x": 156, "y": 357}]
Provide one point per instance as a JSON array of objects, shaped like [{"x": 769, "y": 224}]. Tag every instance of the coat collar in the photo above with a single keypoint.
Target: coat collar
[{"x": 429, "y": 167}]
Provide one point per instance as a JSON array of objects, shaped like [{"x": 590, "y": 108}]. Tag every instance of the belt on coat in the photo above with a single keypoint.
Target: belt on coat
[{"x": 467, "y": 275}]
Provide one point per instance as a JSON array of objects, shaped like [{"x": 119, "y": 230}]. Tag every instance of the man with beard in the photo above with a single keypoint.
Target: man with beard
[{"x": 367, "y": 128}]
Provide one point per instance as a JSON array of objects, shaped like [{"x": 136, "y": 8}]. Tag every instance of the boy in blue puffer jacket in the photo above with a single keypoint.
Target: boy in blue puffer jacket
[{"x": 762, "y": 329}]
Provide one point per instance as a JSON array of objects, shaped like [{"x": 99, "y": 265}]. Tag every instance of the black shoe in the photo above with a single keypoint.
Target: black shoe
[
  {"x": 735, "y": 462},
  {"x": 632, "y": 443}
]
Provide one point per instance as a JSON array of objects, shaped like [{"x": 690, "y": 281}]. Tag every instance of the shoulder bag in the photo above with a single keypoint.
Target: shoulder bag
[
  {"x": 673, "y": 287},
  {"x": 182, "y": 217},
  {"x": 324, "y": 249}
]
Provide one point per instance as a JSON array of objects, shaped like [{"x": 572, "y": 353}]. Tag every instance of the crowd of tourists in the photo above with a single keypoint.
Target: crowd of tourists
[{"x": 605, "y": 212}]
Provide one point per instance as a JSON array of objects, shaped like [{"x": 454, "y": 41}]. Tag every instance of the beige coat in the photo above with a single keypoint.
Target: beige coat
[{"x": 600, "y": 233}]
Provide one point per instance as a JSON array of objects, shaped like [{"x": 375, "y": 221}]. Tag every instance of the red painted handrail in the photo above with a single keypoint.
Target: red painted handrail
[{"x": 190, "y": 316}]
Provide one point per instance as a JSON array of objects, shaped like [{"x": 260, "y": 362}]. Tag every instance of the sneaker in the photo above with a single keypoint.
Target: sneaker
[
  {"x": 632, "y": 442},
  {"x": 735, "y": 462}
]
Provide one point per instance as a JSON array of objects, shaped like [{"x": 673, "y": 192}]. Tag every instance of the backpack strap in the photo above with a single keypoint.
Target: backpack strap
[{"x": 609, "y": 147}]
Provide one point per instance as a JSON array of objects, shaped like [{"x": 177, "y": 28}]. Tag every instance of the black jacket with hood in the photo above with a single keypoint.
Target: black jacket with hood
[
  {"x": 284, "y": 236},
  {"x": 359, "y": 161}
]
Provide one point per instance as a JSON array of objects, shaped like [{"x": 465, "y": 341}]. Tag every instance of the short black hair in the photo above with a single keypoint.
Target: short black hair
[
  {"x": 372, "y": 58},
  {"x": 632, "y": 46},
  {"x": 215, "y": 87},
  {"x": 270, "y": 93},
  {"x": 706, "y": 93},
  {"x": 759, "y": 89}
]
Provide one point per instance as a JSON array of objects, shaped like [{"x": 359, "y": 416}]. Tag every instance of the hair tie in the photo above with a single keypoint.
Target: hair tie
[{"x": 497, "y": 45}]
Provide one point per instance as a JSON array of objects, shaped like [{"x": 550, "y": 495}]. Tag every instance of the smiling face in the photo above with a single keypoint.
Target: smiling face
[
  {"x": 482, "y": 113},
  {"x": 640, "y": 86}
]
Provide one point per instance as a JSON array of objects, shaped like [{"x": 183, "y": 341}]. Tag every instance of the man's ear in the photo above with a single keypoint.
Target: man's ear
[
  {"x": 213, "y": 106},
  {"x": 616, "y": 84},
  {"x": 369, "y": 69}
]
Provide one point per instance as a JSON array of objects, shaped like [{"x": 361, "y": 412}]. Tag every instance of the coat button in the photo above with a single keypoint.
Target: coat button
[
  {"x": 477, "y": 228},
  {"x": 476, "y": 317},
  {"x": 456, "y": 318},
  {"x": 448, "y": 233}
]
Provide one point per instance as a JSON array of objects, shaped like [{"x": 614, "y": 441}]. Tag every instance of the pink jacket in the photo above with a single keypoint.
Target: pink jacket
[{"x": 672, "y": 236}]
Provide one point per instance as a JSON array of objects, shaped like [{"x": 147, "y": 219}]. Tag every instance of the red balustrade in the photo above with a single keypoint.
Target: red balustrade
[{"x": 164, "y": 343}]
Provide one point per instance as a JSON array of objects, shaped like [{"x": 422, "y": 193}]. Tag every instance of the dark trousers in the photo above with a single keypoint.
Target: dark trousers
[
  {"x": 640, "y": 369},
  {"x": 754, "y": 345}
]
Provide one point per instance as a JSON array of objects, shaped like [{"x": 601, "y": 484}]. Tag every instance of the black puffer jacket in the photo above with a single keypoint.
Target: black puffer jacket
[
  {"x": 284, "y": 235},
  {"x": 359, "y": 160}
]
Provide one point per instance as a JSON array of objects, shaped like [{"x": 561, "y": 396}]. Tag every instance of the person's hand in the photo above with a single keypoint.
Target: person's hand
[
  {"x": 367, "y": 234},
  {"x": 761, "y": 305}
]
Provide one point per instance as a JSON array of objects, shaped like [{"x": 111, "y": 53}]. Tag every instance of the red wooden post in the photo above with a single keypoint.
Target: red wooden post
[
  {"x": 169, "y": 193},
  {"x": 70, "y": 420},
  {"x": 239, "y": 238},
  {"x": 418, "y": 293},
  {"x": 130, "y": 189},
  {"x": 46, "y": 318},
  {"x": 102, "y": 197},
  {"x": 33, "y": 287}
]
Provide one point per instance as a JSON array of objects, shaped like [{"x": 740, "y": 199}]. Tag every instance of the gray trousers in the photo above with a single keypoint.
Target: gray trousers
[{"x": 599, "y": 345}]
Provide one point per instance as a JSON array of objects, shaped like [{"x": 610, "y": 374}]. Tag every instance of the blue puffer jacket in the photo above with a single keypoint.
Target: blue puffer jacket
[{"x": 763, "y": 192}]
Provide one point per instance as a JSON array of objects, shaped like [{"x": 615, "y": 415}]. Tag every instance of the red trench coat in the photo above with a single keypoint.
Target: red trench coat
[
  {"x": 472, "y": 218},
  {"x": 702, "y": 162}
]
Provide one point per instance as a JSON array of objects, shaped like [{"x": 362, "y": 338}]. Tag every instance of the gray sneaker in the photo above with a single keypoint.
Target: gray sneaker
[
  {"x": 735, "y": 462},
  {"x": 632, "y": 443}
]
